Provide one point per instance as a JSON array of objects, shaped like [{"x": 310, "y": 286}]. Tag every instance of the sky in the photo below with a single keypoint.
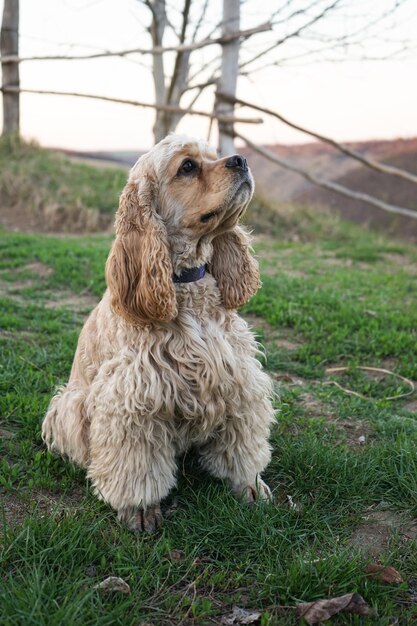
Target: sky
[{"x": 347, "y": 100}]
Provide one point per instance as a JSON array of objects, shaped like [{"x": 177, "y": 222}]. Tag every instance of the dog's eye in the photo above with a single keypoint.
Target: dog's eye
[
  {"x": 188, "y": 167},
  {"x": 207, "y": 217}
]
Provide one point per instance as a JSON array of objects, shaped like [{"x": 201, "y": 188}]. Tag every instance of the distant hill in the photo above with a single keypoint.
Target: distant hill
[{"x": 280, "y": 185}]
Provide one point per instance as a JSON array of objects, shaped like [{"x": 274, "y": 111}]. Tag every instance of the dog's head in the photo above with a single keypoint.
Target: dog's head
[{"x": 179, "y": 189}]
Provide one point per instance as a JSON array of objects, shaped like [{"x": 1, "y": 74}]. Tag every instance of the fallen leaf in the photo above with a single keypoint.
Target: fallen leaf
[
  {"x": 240, "y": 616},
  {"x": 385, "y": 574},
  {"x": 320, "y": 610},
  {"x": 113, "y": 584},
  {"x": 91, "y": 571},
  {"x": 175, "y": 555}
]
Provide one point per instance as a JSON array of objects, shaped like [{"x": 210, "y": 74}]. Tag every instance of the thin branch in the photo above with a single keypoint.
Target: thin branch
[
  {"x": 295, "y": 33},
  {"x": 213, "y": 61},
  {"x": 327, "y": 184},
  {"x": 200, "y": 21},
  {"x": 314, "y": 56},
  {"x": 242, "y": 34},
  {"x": 379, "y": 370},
  {"x": 301, "y": 11},
  {"x": 146, "y": 105},
  {"x": 363, "y": 29},
  {"x": 375, "y": 165},
  {"x": 182, "y": 60}
]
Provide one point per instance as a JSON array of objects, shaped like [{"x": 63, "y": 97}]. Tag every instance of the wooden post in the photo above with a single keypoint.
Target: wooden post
[
  {"x": 9, "y": 45},
  {"x": 229, "y": 71}
]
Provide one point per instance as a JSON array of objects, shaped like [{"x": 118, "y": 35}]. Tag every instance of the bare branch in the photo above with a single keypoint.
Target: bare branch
[
  {"x": 375, "y": 165},
  {"x": 363, "y": 29},
  {"x": 295, "y": 33},
  {"x": 182, "y": 61},
  {"x": 202, "y": 69},
  {"x": 301, "y": 11},
  {"x": 314, "y": 56},
  {"x": 146, "y": 105},
  {"x": 200, "y": 21},
  {"x": 327, "y": 184},
  {"x": 243, "y": 34}
]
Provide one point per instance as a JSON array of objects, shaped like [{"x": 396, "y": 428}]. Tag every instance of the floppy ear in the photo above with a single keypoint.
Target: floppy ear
[
  {"x": 234, "y": 268},
  {"x": 138, "y": 269}
]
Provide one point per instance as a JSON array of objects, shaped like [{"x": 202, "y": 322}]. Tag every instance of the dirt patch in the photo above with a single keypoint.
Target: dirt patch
[
  {"x": 6, "y": 434},
  {"x": 279, "y": 337},
  {"x": 82, "y": 302},
  {"x": 411, "y": 406},
  {"x": 79, "y": 303},
  {"x": 51, "y": 217},
  {"x": 40, "y": 269},
  {"x": 373, "y": 536},
  {"x": 17, "y": 507},
  {"x": 15, "y": 510},
  {"x": 8, "y": 289},
  {"x": 281, "y": 342},
  {"x": 313, "y": 406},
  {"x": 281, "y": 269},
  {"x": 356, "y": 432},
  {"x": 401, "y": 260},
  {"x": 17, "y": 334},
  {"x": 289, "y": 379}
]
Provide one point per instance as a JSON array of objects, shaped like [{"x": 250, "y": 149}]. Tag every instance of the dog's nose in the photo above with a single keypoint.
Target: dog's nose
[{"x": 237, "y": 162}]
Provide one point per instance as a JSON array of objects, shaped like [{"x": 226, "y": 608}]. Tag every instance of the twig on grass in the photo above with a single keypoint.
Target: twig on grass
[{"x": 350, "y": 392}]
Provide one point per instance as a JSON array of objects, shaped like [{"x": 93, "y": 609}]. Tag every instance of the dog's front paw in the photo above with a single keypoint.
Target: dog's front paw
[
  {"x": 259, "y": 490},
  {"x": 141, "y": 520}
]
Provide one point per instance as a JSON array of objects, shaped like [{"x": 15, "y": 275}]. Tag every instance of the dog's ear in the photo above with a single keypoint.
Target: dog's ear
[
  {"x": 139, "y": 269},
  {"x": 234, "y": 268}
]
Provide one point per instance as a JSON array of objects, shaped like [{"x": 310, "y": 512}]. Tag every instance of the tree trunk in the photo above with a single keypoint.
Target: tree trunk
[
  {"x": 9, "y": 45},
  {"x": 159, "y": 20},
  {"x": 229, "y": 73},
  {"x": 166, "y": 121}
]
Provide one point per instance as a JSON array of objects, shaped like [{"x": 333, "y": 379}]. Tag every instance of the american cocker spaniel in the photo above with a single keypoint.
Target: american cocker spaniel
[{"x": 164, "y": 362}]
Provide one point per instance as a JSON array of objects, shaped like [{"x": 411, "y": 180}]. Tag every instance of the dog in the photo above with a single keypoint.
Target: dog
[{"x": 164, "y": 362}]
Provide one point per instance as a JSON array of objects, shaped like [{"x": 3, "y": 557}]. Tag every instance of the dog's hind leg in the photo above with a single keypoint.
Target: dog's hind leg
[{"x": 65, "y": 426}]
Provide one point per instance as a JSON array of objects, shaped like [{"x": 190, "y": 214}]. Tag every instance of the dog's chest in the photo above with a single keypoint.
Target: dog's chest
[{"x": 209, "y": 360}]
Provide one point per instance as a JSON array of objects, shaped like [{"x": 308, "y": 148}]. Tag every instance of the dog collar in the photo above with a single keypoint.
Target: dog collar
[{"x": 190, "y": 275}]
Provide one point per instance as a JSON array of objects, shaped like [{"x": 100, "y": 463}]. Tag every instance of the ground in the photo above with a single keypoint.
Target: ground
[{"x": 344, "y": 467}]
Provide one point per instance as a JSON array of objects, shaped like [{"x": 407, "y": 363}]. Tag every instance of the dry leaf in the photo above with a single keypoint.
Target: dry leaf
[
  {"x": 113, "y": 584},
  {"x": 175, "y": 555},
  {"x": 240, "y": 616},
  {"x": 385, "y": 574},
  {"x": 91, "y": 571},
  {"x": 320, "y": 610}
]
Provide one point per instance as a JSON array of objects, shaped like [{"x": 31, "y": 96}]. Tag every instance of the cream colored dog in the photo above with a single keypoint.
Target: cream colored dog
[{"x": 164, "y": 362}]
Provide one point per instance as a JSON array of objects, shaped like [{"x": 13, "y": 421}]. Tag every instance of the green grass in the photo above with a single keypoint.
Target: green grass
[
  {"x": 339, "y": 296},
  {"x": 35, "y": 180}
]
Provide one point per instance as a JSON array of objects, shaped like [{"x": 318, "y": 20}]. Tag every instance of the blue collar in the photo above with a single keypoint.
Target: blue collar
[{"x": 190, "y": 275}]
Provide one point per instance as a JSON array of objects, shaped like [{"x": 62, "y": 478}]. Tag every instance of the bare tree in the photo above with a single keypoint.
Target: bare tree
[
  {"x": 227, "y": 81},
  {"x": 168, "y": 92},
  {"x": 9, "y": 45},
  {"x": 171, "y": 87},
  {"x": 299, "y": 32}
]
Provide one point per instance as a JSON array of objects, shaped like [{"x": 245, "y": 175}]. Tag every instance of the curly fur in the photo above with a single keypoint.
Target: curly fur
[{"x": 159, "y": 366}]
